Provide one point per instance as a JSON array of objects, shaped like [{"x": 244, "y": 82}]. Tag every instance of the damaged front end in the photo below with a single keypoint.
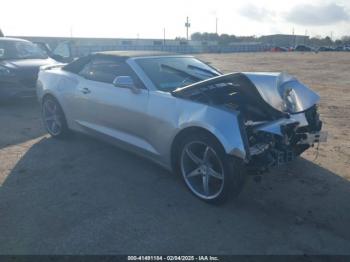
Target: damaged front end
[
  {"x": 279, "y": 114},
  {"x": 280, "y": 141}
]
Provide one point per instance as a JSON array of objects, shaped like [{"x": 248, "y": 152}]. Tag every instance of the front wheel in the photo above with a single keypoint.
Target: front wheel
[
  {"x": 53, "y": 118},
  {"x": 208, "y": 171}
]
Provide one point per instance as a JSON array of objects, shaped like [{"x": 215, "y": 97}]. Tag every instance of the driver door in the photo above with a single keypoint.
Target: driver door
[{"x": 113, "y": 112}]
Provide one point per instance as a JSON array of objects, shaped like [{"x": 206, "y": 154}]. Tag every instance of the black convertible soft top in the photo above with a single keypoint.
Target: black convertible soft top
[
  {"x": 79, "y": 63},
  {"x": 130, "y": 54}
]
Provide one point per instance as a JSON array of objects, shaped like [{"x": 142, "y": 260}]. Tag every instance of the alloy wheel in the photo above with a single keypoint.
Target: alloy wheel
[
  {"x": 202, "y": 170},
  {"x": 52, "y": 117}
]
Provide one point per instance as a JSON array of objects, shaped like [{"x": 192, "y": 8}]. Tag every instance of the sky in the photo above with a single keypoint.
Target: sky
[{"x": 148, "y": 18}]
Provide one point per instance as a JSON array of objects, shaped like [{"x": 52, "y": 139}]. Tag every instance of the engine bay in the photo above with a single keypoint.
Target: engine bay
[{"x": 273, "y": 137}]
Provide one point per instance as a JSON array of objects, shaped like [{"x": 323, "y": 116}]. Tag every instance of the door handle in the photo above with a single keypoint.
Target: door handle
[{"x": 85, "y": 90}]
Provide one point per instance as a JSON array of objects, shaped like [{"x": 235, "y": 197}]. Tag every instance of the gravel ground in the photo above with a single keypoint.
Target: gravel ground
[{"x": 81, "y": 196}]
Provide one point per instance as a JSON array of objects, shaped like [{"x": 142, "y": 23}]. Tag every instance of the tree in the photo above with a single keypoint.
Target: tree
[
  {"x": 346, "y": 39},
  {"x": 328, "y": 41},
  {"x": 180, "y": 38},
  {"x": 224, "y": 39},
  {"x": 196, "y": 36},
  {"x": 1, "y": 33},
  {"x": 338, "y": 42}
]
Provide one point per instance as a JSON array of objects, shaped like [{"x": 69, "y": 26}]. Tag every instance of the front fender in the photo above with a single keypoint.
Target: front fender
[
  {"x": 172, "y": 115},
  {"x": 225, "y": 125}
]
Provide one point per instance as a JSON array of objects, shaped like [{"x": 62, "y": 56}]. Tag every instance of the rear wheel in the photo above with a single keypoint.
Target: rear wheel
[
  {"x": 53, "y": 118},
  {"x": 207, "y": 170}
]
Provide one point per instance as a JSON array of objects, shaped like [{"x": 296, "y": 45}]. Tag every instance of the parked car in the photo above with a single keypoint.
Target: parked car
[
  {"x": 278, "y": 49},
  {"x": 19, "y": 66},
  {"x": 339, "y": 48},
  {"x": 325, "y": 49},
  {"x": 211, "y": 128},
  {"x": 302, "y": 48},
  {"x": 347, "y": 48}
]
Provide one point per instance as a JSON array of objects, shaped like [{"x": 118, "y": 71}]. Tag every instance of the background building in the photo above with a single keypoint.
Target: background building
[
  {"x": 83, "y": 46},
  {"x": 284, "y": 40}
]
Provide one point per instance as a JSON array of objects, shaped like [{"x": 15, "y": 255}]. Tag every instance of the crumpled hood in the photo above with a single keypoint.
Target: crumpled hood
[
  {"x": 280, "y": 91},
  {"x": 277, "y": 88},
  {"x": 27, "y": 63}
]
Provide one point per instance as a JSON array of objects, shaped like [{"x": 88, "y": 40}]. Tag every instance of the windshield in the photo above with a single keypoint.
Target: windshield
[
  {"x": 169, "y": 73},
  {"x": 20, "y": 50}
]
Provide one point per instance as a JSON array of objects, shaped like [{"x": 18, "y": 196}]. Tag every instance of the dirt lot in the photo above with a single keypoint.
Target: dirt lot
[{"x": 82, "y": 196}]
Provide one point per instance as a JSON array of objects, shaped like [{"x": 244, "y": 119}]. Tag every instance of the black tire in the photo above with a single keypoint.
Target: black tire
[
  {"x": 233, "y": 168},
  {"x": 63, "y": 131}
]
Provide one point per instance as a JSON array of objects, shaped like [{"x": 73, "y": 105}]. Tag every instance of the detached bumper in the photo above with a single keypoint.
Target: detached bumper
[
  {"x": 313, "y": 138},
  {"x": 280, "y": 141}
]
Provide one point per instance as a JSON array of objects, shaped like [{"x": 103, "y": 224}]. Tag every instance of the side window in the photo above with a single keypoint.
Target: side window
[
  {"x": 101, "y": 70},
  {"x": 106, "y": 70},
  {"x": 86, "y": 72},
  {"x": 62, "y": 50}
]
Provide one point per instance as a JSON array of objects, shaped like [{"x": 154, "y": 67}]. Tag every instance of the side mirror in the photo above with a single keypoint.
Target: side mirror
[{"x": 126, "y": 82}]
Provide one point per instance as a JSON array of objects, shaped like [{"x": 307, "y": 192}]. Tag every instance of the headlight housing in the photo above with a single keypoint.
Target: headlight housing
[
  {"x": 4, "y": 71},
  {"x": 289, "y": 100}
]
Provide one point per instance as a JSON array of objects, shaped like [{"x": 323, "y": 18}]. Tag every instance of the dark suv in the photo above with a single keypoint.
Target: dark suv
[{"x": 19, "y": 65}]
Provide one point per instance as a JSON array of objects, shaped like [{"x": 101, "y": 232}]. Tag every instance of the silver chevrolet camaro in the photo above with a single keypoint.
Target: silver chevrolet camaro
[{"x": 182, "y": 113}]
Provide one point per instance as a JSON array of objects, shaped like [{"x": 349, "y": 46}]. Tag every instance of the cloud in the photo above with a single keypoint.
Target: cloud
[
  {"x": 317, "y": 15},
  {"x": 256, "y": 13}
]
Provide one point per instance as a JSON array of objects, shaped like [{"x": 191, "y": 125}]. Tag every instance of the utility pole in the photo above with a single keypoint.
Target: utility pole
[
  {"x": 216, "y": 25},
  {"x": 164, "y": 36},
  {"x": 187, "y": 25},
  {"x": 331, "y": 43},
  {"x": 294, "y": 37}
]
